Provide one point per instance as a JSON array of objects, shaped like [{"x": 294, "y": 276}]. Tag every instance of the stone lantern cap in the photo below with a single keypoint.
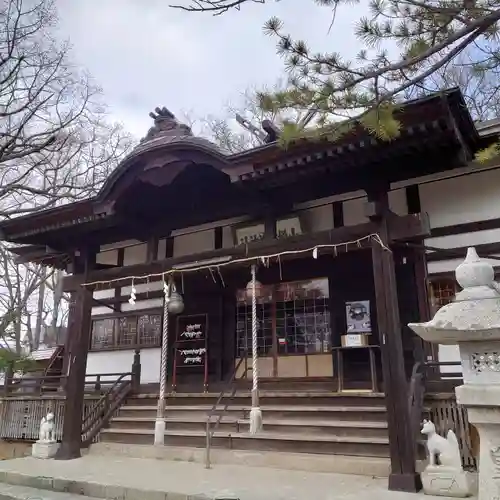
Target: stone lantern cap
[{"x": 474, "y": 315}]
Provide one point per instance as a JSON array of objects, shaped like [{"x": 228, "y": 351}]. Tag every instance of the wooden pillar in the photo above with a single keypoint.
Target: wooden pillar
[
  {"x": 151, "y": 249},
  {"x": 136, "y": 372},
  {"x": 68, "y": 339},
  {"x": 79, "y": 324},
  {"x": 422, "y": 291},
  {"x": 403, "y": 476}
]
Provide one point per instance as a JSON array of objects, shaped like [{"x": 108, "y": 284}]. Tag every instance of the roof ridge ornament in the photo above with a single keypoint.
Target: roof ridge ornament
[{"x": 165, "y": 124}]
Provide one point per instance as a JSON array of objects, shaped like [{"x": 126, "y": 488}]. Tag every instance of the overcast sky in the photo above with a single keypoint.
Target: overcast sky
[{"x": 145, "y": 54}]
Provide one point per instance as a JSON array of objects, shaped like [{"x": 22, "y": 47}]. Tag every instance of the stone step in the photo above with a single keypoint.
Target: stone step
[
  {"x": 342, "y": 428},
  {"x": 263, "y": 441},
  {"x": 14, "y": 492},
  {"x": 124, "y": 478},
  {"x": 350, "y": 413},
  {"x": 15, "y": 486},
  {"x": 290, "y": 461},
  {"x": 269, "y": 398}
]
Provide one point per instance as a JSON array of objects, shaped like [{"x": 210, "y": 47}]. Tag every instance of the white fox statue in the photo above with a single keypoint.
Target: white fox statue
[
  {"x": 447, "y": 450},
  {"x": 47, "y": 429}
]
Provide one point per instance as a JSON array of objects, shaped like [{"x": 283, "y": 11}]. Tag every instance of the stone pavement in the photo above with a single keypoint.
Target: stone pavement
[{"x": 146, "y": 479}]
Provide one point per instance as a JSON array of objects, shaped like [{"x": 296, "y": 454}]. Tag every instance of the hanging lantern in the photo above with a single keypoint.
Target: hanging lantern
[
  {"x": 176, "y": 302},
  {"x": 258, "y": 289}
]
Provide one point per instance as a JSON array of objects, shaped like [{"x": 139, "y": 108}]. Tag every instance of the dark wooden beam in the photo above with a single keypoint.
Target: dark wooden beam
[
  {"x": 152, "y": 249},
  {"x": 169, "y": 247},
  {"x": 110, "y": 304},
  {"x": 413, "y": 199},
  {"x": 422, "y": 291},
  {"x": 79, "y": 326},
  {"x": 466, "y": 227},
  {"x": 270, "y": 227},
  {"x": 119, "y": 262},
  {"x": 403, "y": 475},
  {"x": 483, "y": 250},
  {"x": 218, "y": 238},
  {"x": 400, "y": 228},
  {"x": 338, "y": 213}
]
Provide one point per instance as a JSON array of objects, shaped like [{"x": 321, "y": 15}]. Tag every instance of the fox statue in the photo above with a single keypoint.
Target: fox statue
[
  {"x": 447, "y": 450},
  {"x": 47, "y": 429}
]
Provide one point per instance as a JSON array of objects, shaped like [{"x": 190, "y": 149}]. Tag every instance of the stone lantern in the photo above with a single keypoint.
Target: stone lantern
[{"x": 473, "y": 322}]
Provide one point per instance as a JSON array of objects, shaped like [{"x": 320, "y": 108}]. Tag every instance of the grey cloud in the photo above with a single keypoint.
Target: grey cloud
[{"x": 145, "y": 54}]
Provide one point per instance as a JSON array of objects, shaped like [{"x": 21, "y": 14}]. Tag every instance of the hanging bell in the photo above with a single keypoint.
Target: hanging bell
[
  {"x": 258, "y": 289},
  {"x": 176, "y": 303}
]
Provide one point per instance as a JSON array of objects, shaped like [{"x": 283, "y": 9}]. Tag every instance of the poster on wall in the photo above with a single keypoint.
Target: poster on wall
[{"x": 358, "y": 317}]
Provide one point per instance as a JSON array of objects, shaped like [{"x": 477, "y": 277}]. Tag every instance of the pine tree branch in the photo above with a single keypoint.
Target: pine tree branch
[{"x": 217, "y": 7}]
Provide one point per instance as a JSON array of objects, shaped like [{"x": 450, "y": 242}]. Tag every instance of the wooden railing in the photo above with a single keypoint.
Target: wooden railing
[
  {"x": 114, "y": 396},
  {"x": 98, "y": 415},
  {"x": 440, "y": 406},
  {"x": 21, "y": 414}
]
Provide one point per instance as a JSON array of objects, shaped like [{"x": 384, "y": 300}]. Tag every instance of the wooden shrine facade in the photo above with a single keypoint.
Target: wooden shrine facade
[{"x": 323, "y": 285}]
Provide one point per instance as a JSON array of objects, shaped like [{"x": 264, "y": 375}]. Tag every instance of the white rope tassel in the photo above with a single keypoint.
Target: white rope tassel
[
  {"x": 160, "y": 415},
  {"x": 255, "y": 412}
]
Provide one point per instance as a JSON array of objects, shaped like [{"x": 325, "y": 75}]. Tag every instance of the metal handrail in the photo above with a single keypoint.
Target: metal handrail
[{"x": 210, "y": 431}]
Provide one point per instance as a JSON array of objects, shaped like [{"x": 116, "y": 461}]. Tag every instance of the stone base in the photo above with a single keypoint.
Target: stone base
[
  {"x": 448, "y": 482},
  {"x": 44, "y": 450},
  {"x": 409, "y": 483}
]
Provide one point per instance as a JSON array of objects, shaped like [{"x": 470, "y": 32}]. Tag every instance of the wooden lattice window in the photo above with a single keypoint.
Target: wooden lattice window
[
  {"x": 442, "y": 291},
  {"x": 292, "y": 318},
  {"x": 149, "y": 329},
  {"x": 139, "y": 330}
]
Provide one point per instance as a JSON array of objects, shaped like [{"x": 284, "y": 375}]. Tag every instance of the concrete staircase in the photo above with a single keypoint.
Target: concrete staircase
[{"x": 319, "y": 423}]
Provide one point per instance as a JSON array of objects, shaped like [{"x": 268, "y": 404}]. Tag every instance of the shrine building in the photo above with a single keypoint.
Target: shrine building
[{"x": 317, "y": 255}]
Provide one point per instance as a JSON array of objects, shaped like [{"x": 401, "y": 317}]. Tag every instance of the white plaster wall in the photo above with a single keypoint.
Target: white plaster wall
[
  {"x": 141, "y": 305},
  {"x": 459, "y": 200},
  {"x": 397, "y": 201},
  {"x": 109, "y": 257},
  {"x": 192, "y": 243},
  {"x": 121, "y": 362},
  {"x": 119, "y": 244},
  {"x": 136, "y": 254},
  {"x": 162, "y": 246},
  {"x": 449, "y": 266},
  {"x": 107, "y": 293},
  {"x": 457, "y": 241},
  {"x": 227, "y": 237},
  {"x": 317, "y": 218},
  {"x": 354, "y": 211},
  {"x": 143, "y": 287},
  {"x": 100, "y": 310},
  {"x": 468, "y": 198},
  {"x": 465, "y": 239}
]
